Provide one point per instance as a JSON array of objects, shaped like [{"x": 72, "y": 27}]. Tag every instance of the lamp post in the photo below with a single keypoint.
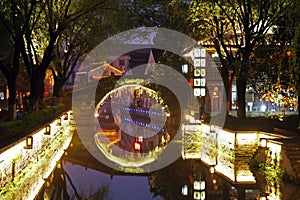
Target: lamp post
[
  {"x": 29, "y": 142},
  {"x": 48, "y": 129},
  {"x": 58, "y": 121}
]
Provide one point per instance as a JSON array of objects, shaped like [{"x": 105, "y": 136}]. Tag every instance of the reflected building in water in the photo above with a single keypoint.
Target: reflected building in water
[
  {"x": 132, "y": 126},
  {"x": 183, "y": 179}
]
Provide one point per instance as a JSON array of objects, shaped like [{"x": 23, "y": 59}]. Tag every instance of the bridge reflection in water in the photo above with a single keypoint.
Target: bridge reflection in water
[
  {"x": 133, "y": 131},
  {"x": 220, "y": 182},
  {"x": 219, "y": 158},
  {"x": 180, "y": 174}
]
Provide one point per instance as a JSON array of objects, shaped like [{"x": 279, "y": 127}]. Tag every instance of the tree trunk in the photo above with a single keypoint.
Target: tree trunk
[
  {"x": 229, "y": 93},
  {"x": 298, "y": 112},
  {"x": 229, "y": 97},
  {"x": 11, "y": 82},
  {"x": 36, "y": 90},
  {"x": 227, "y": 81},
  {"x": 57, "y": 87},
  {"x": 11, "y": 73},
  {"x": 241, "y": 92}
]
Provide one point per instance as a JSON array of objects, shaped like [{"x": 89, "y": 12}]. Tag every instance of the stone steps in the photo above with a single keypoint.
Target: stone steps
[
  {"x": 292, "y": 150},
  {"x": 294, "y": 156}
]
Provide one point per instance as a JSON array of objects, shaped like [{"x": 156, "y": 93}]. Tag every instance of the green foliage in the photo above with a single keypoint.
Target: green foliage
[
  {"x": 272, "y": 174},
  {"x": 136, "y": 13},
  {"x": 18, "y": 128},
  {"x": 235, "y": 29},
  {"x": 22, "y": 182}
]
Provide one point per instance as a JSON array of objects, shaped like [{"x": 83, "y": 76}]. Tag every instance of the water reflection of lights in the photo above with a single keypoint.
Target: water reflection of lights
[
  {"x": 139, "y": 159},
  {"x": 234, "y": 151},
  {"x": 123, "y": 158},
  {"x": 218, "y": 149},
  {"x": 53, "y": 163},
  {"x": 141, "y": 118}
]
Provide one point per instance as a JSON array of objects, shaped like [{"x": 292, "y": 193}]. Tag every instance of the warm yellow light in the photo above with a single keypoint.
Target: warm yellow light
[
  {"x": 29, "y": 142},
  {"x": 202, "y": 195},
  {"x": 48, "y": 184},
  {"x": 197, "y": 185},
  {"x": 202, "y": 185},
  {"x": 58, "y": 165},
  {"x": 197, "y": 195},
  {"x": 58, "y": 121},
  {"x": 48, "y": 130},
  {"x": 187, "y": 117},
  {"x": 212, "y": 169},
  {"x": 66, "y": 116},
  {"x": 263, "y": 142},
  {"x": 214, "y": 181}
]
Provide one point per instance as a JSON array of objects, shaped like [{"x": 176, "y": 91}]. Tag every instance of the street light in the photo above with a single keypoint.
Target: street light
[
  {"x": 263, "y": 142},
  {"x": 66, "y": 116},
  {"x": 48, "y": 129},
  {"x": 58, "y": 122},
  {"x": 47, "y": 182},
  {"x": 212, "y": 129},
  {"x": 29, "y": 142}
]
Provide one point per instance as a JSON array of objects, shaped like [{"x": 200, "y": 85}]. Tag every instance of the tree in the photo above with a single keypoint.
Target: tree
[
  {"x": 235, "y": 27},
  {"x": 147, "y": 13},
  {"x": 66, "y": 56},
  {"x": 78, "y": 40},
  {"x": 42, "y": 36},
  {"x": 295, "y": 48},
  {"x": 288, "y": 34},
  {"x": 16, "y": 23}
]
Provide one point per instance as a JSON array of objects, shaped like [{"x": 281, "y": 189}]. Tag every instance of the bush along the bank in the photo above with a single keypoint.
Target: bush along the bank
[
  {"x": 272, "y": 174},
  {"x": 28, "y": 123}
]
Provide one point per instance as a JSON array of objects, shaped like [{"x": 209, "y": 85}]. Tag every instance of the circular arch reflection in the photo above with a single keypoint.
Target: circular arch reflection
[{"x": 131, "y": 125}]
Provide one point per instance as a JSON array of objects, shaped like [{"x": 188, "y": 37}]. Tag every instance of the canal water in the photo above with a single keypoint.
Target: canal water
[
  {"x": 113, "y": 160},
  {"x": 80, "y": 176},
  {"x": 127, "y": 151}
]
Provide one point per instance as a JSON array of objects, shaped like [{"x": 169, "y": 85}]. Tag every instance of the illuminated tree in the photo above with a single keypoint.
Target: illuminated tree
[
  {"x": 278, "y": 64},
  {"x": 295, "y": 50},
  {"x": 66, "y": 56},
  {"x": 288, "y": 34},
  {"x": 235, "y": 27},
  {"x": 78, "y": 40},
  {"x": 73, "y": 28},
  {"x": 14, "y": 18},
  {"x": 42, "y": 35}
]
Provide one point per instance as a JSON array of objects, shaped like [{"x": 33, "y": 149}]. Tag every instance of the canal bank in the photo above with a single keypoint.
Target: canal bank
[
  {"x": 222, "y": 165},
  {"x": 248, "y": 160},
  {"x": 26, "y": 164}
]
